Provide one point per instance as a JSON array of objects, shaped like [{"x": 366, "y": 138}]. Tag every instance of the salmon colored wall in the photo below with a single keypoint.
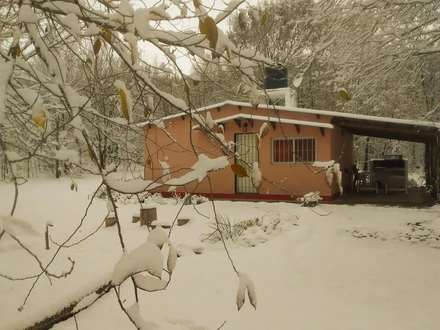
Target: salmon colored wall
[{"x": 297, "y": 179}]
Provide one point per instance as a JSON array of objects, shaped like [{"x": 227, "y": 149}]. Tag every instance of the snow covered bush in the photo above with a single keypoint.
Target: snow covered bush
[
  {"x": 310, "y": 199},
  {"x": 249, "y": 232},
  {"x": 223, "y": 228}
]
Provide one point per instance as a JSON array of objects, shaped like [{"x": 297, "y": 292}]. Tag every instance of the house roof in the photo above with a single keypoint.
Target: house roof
[
  {"x": 383, "y": 127},
  {"x": 273, "y": 120}
]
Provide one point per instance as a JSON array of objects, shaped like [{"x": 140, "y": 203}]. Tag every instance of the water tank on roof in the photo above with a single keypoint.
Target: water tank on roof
[{"x": 275, "y": 78}]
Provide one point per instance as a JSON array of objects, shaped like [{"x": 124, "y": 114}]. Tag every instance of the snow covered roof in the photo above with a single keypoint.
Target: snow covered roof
[
  {"x": 304, "y": 110},
  {"x": 384, "y": 127},
  {"x": 274, "y": 120}
]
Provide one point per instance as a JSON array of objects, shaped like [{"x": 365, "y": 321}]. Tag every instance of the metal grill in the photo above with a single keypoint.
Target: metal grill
[{"x": 246, "y": 148}]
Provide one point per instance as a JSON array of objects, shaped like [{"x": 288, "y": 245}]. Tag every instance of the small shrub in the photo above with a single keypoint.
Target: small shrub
[
  {"x": 227, "y": 229},
  {"x": 123, "y": 198},
  {"x": 194, "y": 200}
]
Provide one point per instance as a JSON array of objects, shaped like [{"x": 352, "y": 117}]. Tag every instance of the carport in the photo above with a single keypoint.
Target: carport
[{"x": 399, "y": 129}]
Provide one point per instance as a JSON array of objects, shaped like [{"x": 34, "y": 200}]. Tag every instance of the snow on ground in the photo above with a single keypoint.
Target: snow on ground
[{"x": 330, "y": 267}]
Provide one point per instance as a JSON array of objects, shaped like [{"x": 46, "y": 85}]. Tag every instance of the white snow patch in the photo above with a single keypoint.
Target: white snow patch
[
  {"x": 256, "y": 176},
  {"x": 310, "y": 198},
  {"x": 146, "y": 257},
  {"x": 6, "y": 70},
  {"x": 142, "y": 22},
  {"x": 26, "y": 15},
  {"x": 92, "y": 30},
  {"x": 165, "y": 170},
  {"x": 130, "y": 187},
  {"x": 141, "y": 324},
  {"x": 67, "y": 155},
  {"x": 12, "y": 156},
  {"x": 71, "y": 23},
  {"x": 149, "y": 283},
  {"x": 200, "y": 170},
  {"x": 158, "y": 237}
]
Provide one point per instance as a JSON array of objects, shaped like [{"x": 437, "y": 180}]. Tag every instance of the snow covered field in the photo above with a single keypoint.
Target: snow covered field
[{"x": 330, "y": 267}]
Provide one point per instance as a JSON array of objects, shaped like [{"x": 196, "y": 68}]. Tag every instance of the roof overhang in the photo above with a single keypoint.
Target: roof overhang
[
  {"x": 273, "y": 120},
  {"x": 405, "y": 131}
]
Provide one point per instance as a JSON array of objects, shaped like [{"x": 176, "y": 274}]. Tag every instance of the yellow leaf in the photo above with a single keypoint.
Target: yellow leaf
[
  {"x": 92, "y": 155},
  {"x": 239, "y": 170},
  {"x": 211, "y": 31},
  {"x": 89, "y": 61},
  {"x": 257, "y": 141},
  {"x": 107, "y": 34},
  {"x": 72, "y": 187},
  {"x": 220, "y": 129},
  {"x": 264, "y": 19},
  {"x": 195, "y": 82},
  {"x": 202, "y": 27},
  {"x": 124, "y": 105},
  {"x": 344, "y": 94},
  {"x": 39, "y": 118},
  {"x": 97, "y": 46},
  {"x": 15, "y": 52}
]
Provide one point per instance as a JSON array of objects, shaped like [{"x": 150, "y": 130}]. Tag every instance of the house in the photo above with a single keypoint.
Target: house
[{"x": 297, "y": 138}]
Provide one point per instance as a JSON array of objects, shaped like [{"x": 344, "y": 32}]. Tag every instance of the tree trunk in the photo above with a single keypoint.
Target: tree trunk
[{"x": 148, "y": 215}]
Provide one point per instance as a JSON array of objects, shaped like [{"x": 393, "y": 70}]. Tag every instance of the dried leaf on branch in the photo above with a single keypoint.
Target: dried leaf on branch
[{"x": 239, "y": 170}]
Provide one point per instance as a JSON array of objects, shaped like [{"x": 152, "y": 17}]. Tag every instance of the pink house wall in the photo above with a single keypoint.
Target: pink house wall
[{"x": 297, "y": 179}]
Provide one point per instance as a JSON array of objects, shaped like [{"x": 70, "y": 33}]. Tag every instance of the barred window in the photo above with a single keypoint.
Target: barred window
[{"x": 294, "y": 150}]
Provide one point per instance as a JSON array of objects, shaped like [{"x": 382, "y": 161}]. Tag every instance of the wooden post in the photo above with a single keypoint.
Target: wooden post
[
  {"x": 136, "y": 217},
  {"x": 46, "y": 234},
  {"x": 182, "y": 221},
  {"x": 148, "y": 215},
  {"x": 110, "y": 220}
]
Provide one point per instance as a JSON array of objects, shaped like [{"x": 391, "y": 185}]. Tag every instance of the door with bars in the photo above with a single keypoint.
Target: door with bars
[{"x": 246, "y": 148}]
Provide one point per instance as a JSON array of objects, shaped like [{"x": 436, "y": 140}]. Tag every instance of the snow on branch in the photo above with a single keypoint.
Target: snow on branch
[
  {"x": 200, "y": 170},
  {"x": 6, "y": 70},
  {"x": 136, "y": 318},
  {"x": 245, "y": 284},
  {"x": 146, "y": 257},
  {"x": 129, "y": 187},
  {"x": 332, "y": 170}
]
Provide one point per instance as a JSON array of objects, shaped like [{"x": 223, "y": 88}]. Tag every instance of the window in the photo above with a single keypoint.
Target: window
[{"x": 293, "y": 150}]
